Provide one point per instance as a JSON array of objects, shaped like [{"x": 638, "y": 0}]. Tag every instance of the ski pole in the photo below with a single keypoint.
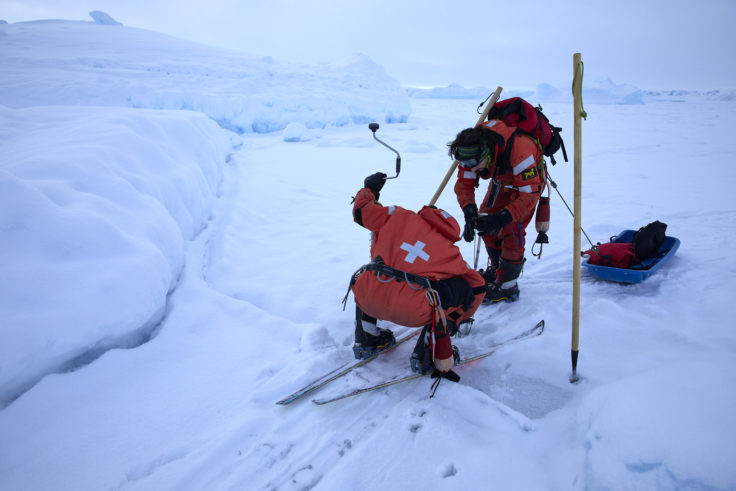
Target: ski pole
[
  {"x": 455, "y": 163},
  {"x": 476, "y": 256}
]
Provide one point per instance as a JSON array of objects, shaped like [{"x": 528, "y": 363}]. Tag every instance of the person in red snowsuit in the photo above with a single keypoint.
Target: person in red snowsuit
[
  {"x": 514, "y": 164},
  {"x": 417, "y": 278}
]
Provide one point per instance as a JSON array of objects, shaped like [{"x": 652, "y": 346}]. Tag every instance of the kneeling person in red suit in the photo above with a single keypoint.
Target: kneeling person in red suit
[{"x": 417, "y": 278}]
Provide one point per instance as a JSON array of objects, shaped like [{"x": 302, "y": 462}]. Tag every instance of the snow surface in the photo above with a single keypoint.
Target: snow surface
[{"x": 176, "y": 238}]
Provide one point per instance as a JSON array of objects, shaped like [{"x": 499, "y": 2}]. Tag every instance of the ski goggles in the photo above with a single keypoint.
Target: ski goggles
[{"x": 469, "y": 157}]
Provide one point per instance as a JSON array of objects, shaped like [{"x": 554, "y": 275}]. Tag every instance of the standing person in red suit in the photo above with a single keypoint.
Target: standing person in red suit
[
  {"x": 417, "y": 277},
  {"x": 513, "y": 162}
]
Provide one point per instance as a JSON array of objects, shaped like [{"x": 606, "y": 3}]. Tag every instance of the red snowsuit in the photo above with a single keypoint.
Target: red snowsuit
[
  {"x": 416, "y": 243},
  {"x": 521, "y": 185}
]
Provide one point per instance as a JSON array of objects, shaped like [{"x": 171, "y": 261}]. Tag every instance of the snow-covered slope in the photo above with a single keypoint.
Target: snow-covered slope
[{"x": 85, "y": 63}]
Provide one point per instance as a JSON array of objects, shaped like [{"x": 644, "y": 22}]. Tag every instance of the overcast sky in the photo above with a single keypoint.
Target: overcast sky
[{"x": 653, "y": 44}]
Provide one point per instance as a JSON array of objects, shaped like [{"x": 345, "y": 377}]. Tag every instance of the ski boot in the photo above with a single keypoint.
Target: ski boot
[
  {"x": 372, "y": 344},
  {"x": 505, "y": 288},
  {"x": 369, "y": 338},
  {"x": 502, "y": 293}
]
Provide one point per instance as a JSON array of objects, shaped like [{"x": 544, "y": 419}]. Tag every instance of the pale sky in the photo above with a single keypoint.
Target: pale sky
[{"x": 516, "y": 44}]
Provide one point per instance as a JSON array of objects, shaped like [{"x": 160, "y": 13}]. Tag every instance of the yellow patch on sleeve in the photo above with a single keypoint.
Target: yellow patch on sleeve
[{"x": 530, "y": 173}]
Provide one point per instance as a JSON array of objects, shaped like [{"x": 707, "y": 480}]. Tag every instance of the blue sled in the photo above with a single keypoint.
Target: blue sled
[{"x": 640, "y": 271}]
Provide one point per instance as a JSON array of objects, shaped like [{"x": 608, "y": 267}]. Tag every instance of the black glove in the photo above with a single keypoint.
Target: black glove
[
  {"x": 492, "y": 224},
  {"x": 471, "y": 215},
  {"x": 375, "y": 182}
]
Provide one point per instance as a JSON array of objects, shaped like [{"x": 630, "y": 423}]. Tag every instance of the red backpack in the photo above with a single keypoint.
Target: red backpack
[
  {"x": 613, "y": 254},
  {"x": 518, "y": 113}
]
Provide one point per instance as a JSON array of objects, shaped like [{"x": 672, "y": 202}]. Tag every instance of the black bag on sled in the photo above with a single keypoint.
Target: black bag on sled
[{"x": 648, "y": 239}]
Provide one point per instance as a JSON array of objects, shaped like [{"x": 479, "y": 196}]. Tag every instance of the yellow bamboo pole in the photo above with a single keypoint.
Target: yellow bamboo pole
[
  {"x": 454, "y": 165},
  {"x": 577, "y": 225}
]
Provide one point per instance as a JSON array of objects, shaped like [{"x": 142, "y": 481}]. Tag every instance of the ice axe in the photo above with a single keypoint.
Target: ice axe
[{"x": 374, "y": 127}]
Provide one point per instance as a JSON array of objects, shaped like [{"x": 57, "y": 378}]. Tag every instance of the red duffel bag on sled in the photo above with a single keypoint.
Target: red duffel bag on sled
[
  {"x": 633, "y": 255},
  {"x": 613, "y": 254}
]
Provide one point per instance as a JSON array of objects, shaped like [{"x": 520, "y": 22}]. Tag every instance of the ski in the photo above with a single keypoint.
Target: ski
[
  {"x": 396, "y": 379},
  {"x": 342, "y": 370}
]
